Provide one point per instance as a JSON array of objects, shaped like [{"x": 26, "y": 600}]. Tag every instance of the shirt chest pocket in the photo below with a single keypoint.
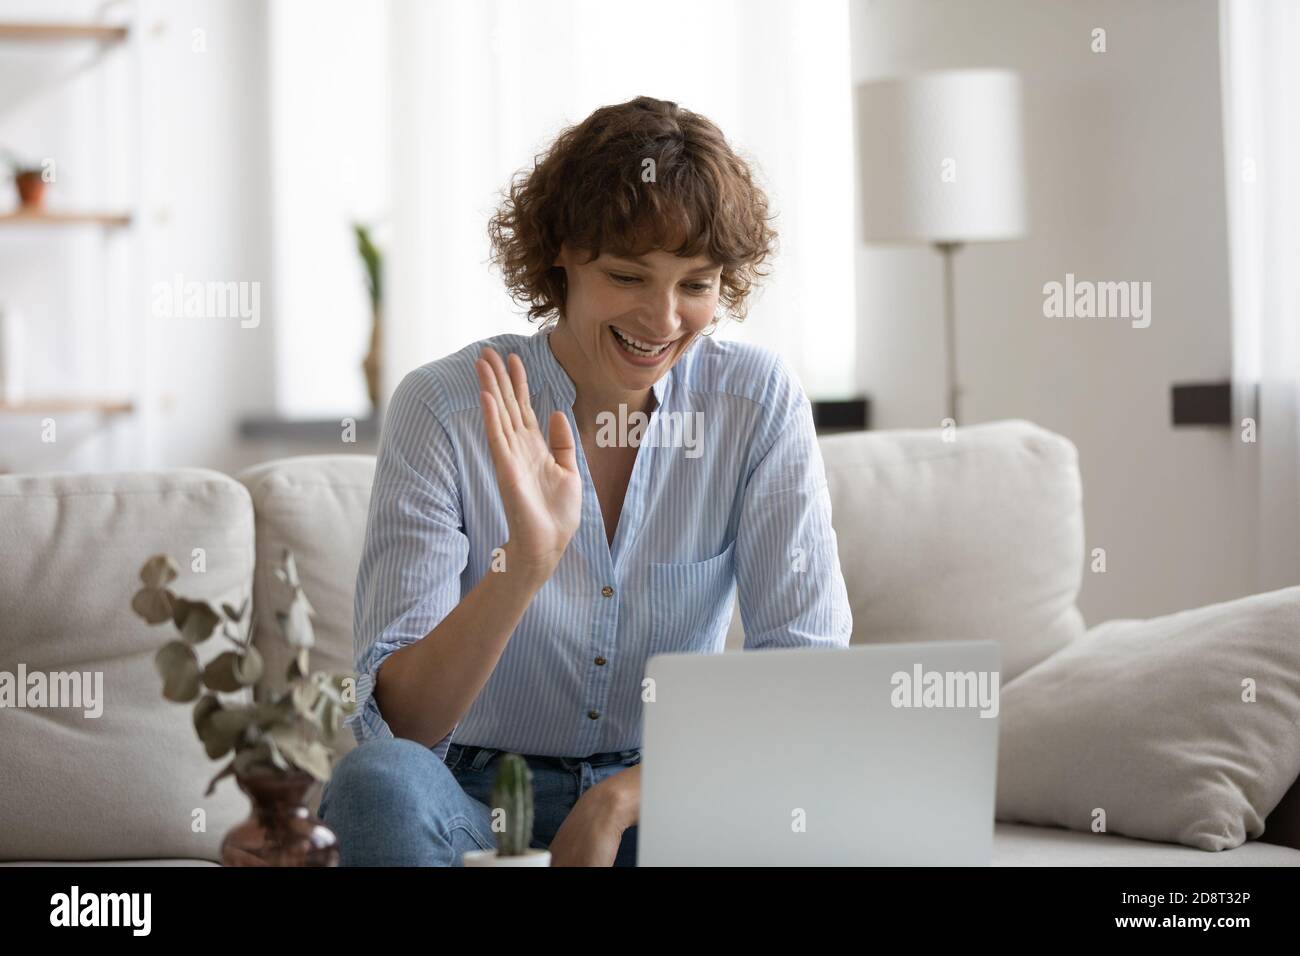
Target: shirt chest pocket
[{"x": 692, "y": 604}]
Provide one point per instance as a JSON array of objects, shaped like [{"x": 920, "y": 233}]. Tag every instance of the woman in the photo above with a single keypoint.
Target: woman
[{"x": 550, "y": 510}]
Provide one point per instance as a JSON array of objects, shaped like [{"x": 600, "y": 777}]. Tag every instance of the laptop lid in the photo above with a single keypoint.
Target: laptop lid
[{"x": 878, "y": 755}]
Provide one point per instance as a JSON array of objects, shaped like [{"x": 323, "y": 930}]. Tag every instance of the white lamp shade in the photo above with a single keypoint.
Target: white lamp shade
[{"x": 942, "y": 157}]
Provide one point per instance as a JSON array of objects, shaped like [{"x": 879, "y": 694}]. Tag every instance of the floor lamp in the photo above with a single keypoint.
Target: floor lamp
[{"x": 942, "y": 162}]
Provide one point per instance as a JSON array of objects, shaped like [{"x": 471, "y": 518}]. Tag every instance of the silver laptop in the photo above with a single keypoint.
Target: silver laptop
[{"x": 873, "y": 755}]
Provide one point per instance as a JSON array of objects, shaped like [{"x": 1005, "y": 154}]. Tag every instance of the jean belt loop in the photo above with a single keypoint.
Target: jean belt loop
[{"x": 481, "y": 758}]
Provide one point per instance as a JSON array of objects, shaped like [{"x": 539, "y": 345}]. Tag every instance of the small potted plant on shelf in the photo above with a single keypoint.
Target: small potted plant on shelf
[
  {"x": 512, "y": 819},
  {"x": 29, "y": 179},
  {"x": 278, "y": 738}
]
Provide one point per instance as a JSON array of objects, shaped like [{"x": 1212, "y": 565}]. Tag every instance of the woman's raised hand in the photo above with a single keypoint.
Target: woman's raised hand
[{"x": 541, "y": 488}]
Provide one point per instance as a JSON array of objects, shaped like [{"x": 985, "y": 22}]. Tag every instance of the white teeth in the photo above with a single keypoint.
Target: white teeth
[{"x": 636, "y": 345}]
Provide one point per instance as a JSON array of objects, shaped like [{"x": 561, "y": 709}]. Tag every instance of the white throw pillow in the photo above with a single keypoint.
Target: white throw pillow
[{"x": 1184, "y": 728}]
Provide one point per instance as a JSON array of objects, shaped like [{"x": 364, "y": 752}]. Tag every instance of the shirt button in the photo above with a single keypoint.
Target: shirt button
[
  {"x": 607, "y": 591},
  {"x": 593, "y": 714},
  {"x": 601, "y": 662}
]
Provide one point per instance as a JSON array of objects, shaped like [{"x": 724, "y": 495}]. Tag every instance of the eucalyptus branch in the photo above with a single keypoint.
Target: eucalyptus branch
[{"x": 260, "y": 734}]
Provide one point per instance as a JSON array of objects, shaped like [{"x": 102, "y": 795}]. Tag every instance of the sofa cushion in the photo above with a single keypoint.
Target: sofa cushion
[
  {"x": 1019, "y": 845},
  {"x": 980, "y": 538},
  {"x": 1182, "y": 728},
  {"x": 128, "y": 783},
  {"x": 316, "y": 506}
]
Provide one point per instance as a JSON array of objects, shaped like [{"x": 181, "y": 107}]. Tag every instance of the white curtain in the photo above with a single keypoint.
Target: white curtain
[
  {"x": 330, "y": 165},
  {"x": 1261, "y": 79},
  {"x": 479, "y": 87}
]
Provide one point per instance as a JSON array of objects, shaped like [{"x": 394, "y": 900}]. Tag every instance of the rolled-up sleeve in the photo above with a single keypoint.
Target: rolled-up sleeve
[
  {"x": 789, "y": 583},
  {"x": 415, "y": 546}
]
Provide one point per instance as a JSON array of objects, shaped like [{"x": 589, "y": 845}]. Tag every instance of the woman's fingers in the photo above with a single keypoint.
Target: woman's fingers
[
  {"x": 507, "y": 389},
  {"x": 488, "y": 382},
  {"x": 519, "y": 377},
  {"x": 561, "y": 441},
  {"x": 497, "y": 443}
]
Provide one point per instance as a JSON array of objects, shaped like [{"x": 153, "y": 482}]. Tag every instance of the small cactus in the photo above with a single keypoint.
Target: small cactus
[{"x": 512, "y": 794}]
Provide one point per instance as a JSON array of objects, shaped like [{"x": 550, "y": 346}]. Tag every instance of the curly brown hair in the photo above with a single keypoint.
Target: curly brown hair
[{"x": 594, "y": 189}]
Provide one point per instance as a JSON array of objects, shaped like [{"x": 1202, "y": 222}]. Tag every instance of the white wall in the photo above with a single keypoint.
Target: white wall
[
  {"x": 209, "y": 155},
  {"x": 1125, "y": 163}
]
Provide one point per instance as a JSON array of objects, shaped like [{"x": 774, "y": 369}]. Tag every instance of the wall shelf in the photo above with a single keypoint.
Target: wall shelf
[
  {"x": 56, "y": 32},
  {"x": 50, "y": 217},
  {"x": 325, "y": 430},
  {"x": 47, "y": 406},
  {"x": 111, "y": 403}
]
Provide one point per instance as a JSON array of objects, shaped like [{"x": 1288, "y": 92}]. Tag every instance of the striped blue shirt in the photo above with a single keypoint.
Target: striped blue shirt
[{"x": 737, "y": 505}]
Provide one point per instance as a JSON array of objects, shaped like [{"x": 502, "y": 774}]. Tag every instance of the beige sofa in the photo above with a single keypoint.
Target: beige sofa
[{"x": 992, "y": 520}]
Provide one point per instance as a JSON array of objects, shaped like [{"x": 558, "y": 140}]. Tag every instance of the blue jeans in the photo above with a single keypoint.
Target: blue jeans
[{"x": 392, "y": 802}]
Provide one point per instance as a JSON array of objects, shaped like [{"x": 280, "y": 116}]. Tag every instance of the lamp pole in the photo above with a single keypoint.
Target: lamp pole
[{"x": 946, "y": 249}]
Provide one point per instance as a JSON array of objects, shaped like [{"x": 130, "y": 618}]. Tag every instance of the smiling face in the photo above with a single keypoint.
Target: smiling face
[{"x": 627, "y": 321}]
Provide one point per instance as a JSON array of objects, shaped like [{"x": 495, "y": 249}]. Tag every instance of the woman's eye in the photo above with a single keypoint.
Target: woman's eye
[{"x": 697, "y": 288}]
